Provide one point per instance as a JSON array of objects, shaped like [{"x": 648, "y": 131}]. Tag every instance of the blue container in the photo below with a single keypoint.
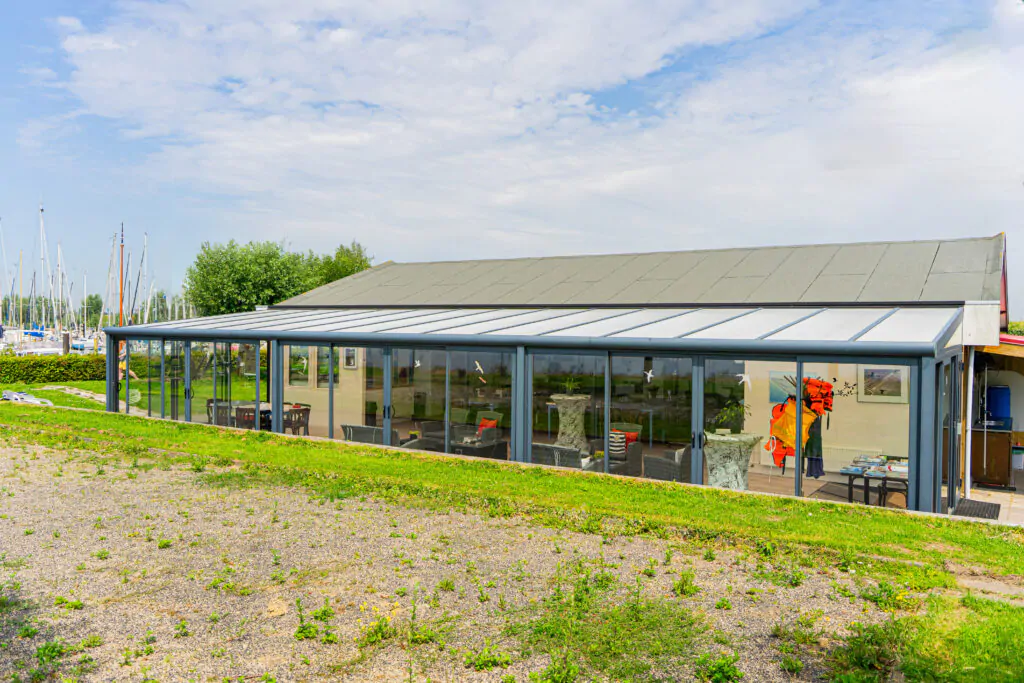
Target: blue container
[{"x": 998, "y": 402}]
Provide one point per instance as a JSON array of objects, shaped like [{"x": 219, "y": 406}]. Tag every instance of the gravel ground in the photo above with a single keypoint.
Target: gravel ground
[{"x": 147, "y": 548}]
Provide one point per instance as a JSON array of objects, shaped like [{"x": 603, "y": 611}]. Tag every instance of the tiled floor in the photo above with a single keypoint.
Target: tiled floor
[{"x": 1011, "y": 503}]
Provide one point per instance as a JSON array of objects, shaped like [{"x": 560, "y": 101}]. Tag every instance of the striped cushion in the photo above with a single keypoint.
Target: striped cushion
[{"x": 617, "y": 444}]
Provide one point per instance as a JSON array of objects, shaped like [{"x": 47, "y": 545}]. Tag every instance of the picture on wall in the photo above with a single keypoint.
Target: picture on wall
[
  {"x": 782, "y": 385},
  {"x": 883, "y": 384},
  {"x": 351, "y": 360}
]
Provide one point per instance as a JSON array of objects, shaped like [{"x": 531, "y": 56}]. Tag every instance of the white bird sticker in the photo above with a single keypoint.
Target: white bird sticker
[
  {"x": 649, "y": 374},
  {"x": 745, "y": 379},
  {"x": 416, "y": 364},
  {"x": 478, "y": 367}
]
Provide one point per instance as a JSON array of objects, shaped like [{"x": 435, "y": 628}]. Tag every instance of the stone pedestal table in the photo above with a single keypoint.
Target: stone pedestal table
[
  {"x": 571, "y": 411},
  {"x": 728, "y": 459}
]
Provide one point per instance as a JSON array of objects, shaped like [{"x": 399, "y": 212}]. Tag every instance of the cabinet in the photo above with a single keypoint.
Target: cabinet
[{"x": 991, "y": 461}]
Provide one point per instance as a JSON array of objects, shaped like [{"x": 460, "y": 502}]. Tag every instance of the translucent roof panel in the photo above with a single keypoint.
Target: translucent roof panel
[
  {"x": 754, "y": 325},
  {"x": 542, "y": 327},
  {"x": 470, "y": 318},
  {"x": 911, "y": 325},
  {"x": 326, "y": 319},
  {"x": 386, "y": 322},
  {"x": 832, "y": 324},
  {"x": 450, "y": 316},
  {"x": 271, "y": 320},
  {"x": 512, "y": 321},
  {"x": 683, "y": 324},
  {"x": 620, "y": 323}
]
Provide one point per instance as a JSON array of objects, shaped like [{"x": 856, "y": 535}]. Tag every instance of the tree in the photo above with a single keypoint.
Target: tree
[
  {"x": 347, "y": 260},
  {"x": 231, "y": 278}
]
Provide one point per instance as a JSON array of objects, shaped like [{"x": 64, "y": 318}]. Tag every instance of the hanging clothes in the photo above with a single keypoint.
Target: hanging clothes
[
  {"x": 812, "y": 454},
  {"x": 782, "y": 440}
]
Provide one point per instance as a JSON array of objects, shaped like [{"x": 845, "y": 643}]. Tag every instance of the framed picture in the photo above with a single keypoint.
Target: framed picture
[
  {"x": 883, "y": 384},
  {"x": 350, "y": 359}
]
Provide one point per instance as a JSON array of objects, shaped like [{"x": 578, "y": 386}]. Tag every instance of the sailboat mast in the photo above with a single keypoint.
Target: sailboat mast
[{"x": 120, "y": 285}]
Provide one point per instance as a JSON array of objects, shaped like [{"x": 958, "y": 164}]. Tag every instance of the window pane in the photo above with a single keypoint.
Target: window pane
[
  {"x": 652, "y": 404},
  {"x": 749, "y": 424},
  {"x": 417, "y": 397},
  {"x": 298, "y": 365},
  {"x": 305, "y": 408},
  {"x": 480, "y": 414},
  {"x": 323, "y": 366},
  {"x": 359, "y": 395},
  {"x": 568, "y": 411},
  {"x": 201, "y": 382},
  {"x": 174, "y": 380},
  {"x": 860, "y": 432}
]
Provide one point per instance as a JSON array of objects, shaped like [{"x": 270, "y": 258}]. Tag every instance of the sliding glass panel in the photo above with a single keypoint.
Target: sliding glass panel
[
  {"x": 858, "y": 441},
  {"x": 135, "y": 372},
  {"x": 652, "y": 404},
  {"x": 238, "y": 389},
  {"x": 568, "y": 411},
  {"x": 305, "y": 407},
  {"x": 201, "y": 382},
  {"x": 222, "y": 411},
  {"x": 750, "y": 425},
  {"x": 359, "y": 394},
  {"x": 480, "y": 414},
  {"x": 174, "y": 380},
  {"x": 417, "y": 397}
]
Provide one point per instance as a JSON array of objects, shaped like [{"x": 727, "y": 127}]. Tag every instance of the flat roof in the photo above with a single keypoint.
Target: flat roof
[
  {"x": 868, "y": 331},
  {"x": 932, "y": 272}
]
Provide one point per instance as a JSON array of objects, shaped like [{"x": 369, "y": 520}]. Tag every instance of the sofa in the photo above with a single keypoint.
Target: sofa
[{"x": 673, "y": 465}]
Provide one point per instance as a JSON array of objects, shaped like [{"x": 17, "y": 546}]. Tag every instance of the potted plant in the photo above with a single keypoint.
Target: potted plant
[{"x": 571, "y": 408}]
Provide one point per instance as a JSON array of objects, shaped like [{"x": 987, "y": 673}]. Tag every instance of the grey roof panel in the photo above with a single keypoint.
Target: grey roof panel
[{"x": 871, "y": 273}]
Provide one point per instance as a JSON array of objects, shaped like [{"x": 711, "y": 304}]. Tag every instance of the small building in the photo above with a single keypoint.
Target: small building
[{"x": 830, "y": 371}]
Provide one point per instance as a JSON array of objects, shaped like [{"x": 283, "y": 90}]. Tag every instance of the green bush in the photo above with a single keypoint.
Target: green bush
[{"x": 39, "y": 369}]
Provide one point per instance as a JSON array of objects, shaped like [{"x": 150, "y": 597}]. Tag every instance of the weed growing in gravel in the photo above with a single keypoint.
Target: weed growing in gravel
[
  {"x": 842, "y": 590},
  {"x": 651, "y": 570},
  {"x": 446, "y": 585},
  {"x": 487, "y": 658},
  {"x": 102, "y": 554},
  {"x": 684, "y": 586},
  {"x": 378, "y": 630},
  {"x": 585, "y": 630},
  {"x": 27, "y": 631},
  {"x": 307, "y": 630},
  {"x": 890, "y": 598},
  {"x": 791, "y": 665},
  {"x": 720, "y": 669},
  {"x": 181, "y": 629},
  {"x": 785, "y": 576},
  {"x": 709, "y": 555},
  {"x": 61, "y": 601},
  {"x": 723, "y": 603},
  {"x": 163, "y": 543}
]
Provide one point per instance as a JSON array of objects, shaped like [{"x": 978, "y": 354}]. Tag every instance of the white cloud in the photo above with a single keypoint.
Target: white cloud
[{"x": 458, "y": 129}]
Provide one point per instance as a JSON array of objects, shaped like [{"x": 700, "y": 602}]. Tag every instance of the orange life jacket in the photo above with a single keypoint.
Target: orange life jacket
[{"x": 782, "y": 442}]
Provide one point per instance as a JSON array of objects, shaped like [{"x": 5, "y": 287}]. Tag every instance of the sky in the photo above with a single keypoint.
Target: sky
[{"x": 450, "y": 129}]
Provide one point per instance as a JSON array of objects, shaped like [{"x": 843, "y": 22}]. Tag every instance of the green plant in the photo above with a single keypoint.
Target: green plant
[
  {"x": 487, "y": 658},
  {"x": 163, "y": 543},
  {"x": 791, "y": 665},
  {"x": 570, "y": 385},
  {"x": 709, "y": 555},
  {"x": 102, "y": 554},
  {"x": 306, "y": 630},
  {"x": 378, "y": 631},
  {"x": 50, "y": 369},
  {"x": 731, "y": 415},
  {"x": 890, "y": 598},
  {"x": 720, "y": 669},
  {"x": 181, "y": 629},
  {"x": 723, "y": 603},
  {"x": 684, "y": 586},
  {"x": 446, "y": 585}
]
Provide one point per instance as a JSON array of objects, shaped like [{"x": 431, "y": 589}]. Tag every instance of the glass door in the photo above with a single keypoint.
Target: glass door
[
  {"x": 418, "y": 388},
  {"x": 174, "y": 381},
  {"x": 200, "y": 381},
  {"x": 221, "y": 413}
]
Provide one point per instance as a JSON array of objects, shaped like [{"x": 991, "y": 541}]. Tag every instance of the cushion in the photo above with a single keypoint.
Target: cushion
[
  {"x": 617, "y": 445},
  {"x": 486, "y": 424},
  {"x": 630, "y": 436}
]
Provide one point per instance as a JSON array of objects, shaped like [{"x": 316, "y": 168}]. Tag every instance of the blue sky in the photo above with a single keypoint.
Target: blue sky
[{"x": 474, "y": 130}]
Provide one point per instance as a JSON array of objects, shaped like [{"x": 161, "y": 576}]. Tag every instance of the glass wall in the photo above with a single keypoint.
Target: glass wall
[
  {"x": 480, "y": 409},
  {"x": 305, "y": 406},
  {"x": 652, "y": 405},
  {"x": 139, "y": 369},
  {"x": 567, "y": 410},
  {"x": 201, "y": 382},
  {"x": 749, "y": 425},
  {"x": 174, "y": 380},
  {"x": 417, "y": 397},
  {"x": 359, "y": 395}
]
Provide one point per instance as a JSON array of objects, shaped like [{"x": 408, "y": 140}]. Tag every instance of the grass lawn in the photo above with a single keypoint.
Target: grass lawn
[{"x": 951, "y": 635}]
